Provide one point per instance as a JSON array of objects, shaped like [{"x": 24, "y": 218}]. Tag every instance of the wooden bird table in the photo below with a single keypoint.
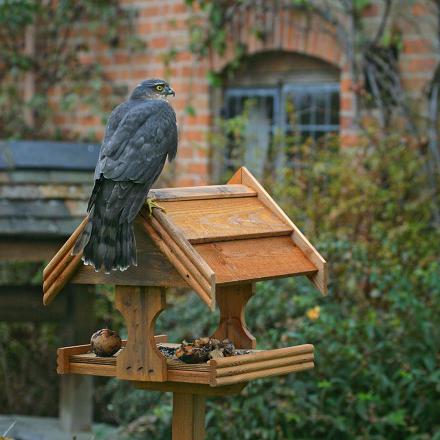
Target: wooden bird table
[{"x": 219, "y": 241}]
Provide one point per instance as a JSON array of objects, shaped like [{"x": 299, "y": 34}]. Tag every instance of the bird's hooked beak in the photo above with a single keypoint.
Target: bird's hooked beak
[{"x": 169, "y": 91}]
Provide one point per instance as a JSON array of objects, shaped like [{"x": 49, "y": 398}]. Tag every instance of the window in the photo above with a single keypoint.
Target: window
[
  {"x": 304, "y": 110},
  {"x": 286, "y": 93}
]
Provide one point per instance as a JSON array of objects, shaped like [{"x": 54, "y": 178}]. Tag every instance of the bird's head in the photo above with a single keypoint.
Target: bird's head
[{"x": 152, "y": 89}]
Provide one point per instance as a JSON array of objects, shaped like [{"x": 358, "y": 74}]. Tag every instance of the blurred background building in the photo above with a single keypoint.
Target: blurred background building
[{"x": 298, "y": 60}]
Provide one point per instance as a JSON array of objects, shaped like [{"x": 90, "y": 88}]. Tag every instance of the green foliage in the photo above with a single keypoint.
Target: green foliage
[
  {"x": 376, "y": 334},
  {"x": 28, "y": 380},
  {"x": 43, "y": 44}
]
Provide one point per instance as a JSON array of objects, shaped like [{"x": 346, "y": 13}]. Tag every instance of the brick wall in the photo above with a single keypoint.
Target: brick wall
[{"x": 162, "y": 24}]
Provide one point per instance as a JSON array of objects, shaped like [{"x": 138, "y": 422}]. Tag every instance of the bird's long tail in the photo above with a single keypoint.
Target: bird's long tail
[{"x": 108, "y": 239}]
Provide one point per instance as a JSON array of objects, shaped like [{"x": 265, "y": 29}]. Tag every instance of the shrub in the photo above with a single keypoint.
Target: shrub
[{"x": 370, "y": 211}]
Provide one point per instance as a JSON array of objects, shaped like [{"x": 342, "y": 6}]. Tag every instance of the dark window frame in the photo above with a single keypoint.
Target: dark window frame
[{"x": 279, "y": 124}]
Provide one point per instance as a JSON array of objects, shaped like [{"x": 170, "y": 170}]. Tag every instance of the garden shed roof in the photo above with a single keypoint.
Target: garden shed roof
[{"x": 44, "y": 187}]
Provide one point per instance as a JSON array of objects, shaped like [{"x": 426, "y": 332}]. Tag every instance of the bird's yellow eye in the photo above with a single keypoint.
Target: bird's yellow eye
[{"x": 159, "y": 88}]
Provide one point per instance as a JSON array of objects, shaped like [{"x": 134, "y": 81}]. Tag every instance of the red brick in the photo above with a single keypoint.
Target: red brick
[
  {"x": 185, "y": 181},
  {"x": 346, "y": 103},
  {"x": 346, "y": 85},
  {"x": 194, "y": 136},
  {"x": 350, "y": 140},
  {"x": 418, "y": 46},
  {"x": 91, "y": 121},
  {"x": 197, "y": 168},
  {"x": 200, "y": 119},
  {"x": 427, "y": 64},
  {"x": 159, "y": 43},
  {"x": 417, "y": 84},
  {"x": 163, "y": 25},
  {"x": 185, "y": 152},
  {"x": 371, "y": 10},
  {"x": 346, "y": 122},
  {"x": 419, "y": 9},
  {"x": 179, "y": 8}
]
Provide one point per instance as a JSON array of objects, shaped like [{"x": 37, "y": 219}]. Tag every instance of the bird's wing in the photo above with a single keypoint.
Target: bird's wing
[{"x": 138, "y": 148}]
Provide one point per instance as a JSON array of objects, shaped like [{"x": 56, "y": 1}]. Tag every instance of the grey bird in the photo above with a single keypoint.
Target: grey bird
[{"x": 140, "y": 134}]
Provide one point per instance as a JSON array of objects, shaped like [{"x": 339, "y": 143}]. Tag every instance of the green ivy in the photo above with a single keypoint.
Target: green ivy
[{"x": 61, "y": 32}]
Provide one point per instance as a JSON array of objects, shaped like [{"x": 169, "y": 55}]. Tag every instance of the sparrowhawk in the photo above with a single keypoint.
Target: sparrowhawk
[{"x": 140, "y": 134}]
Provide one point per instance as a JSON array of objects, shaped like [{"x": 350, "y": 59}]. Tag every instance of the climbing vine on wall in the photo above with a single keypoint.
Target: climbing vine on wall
[
  {"x": 44, "y": 45},
  {"x": 371, "y": 51}
]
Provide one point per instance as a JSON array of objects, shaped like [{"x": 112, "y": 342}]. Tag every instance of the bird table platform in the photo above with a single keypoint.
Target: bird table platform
[{"x": 218, "y": 241}]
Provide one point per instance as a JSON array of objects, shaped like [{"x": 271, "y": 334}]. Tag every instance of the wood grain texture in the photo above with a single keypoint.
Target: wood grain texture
[
  {"x": 231, "y": 301},
  {"x": 201, "y": 192},
  {"x": 109, "y": 370},
  {"x": 265, "y": 365},
  {"x": 140, "y": 359},
  {"x": 194, "y": 270},
  {"x": 189, "y": 376},
  {"x": 320, "y": 278},
  {"x": 61, "y": 268},
  {"x": 172, "y": 364},
  {"x": 191, "y": 388},
  {"x": 92, "y": 369},
  {"x": 180, "y": 264},
  {"x": 262, "y": 355},
  {"x": 153, "y": 268},
  {"x": 188, "y": 416},
  {"x": 63, "y": 278},
  {"x": 66, "y": 248},
  {"x": 82, "y": 354},
  {"x": 276, "y": 371},
  {"x": 63, "y": 356},
  {"x": 56, "y": 271},
  {"x": 216, "y": 373},
  {"x": 185, "y": 259},
  {"x": 224, "y": 219},
  {"x": 178, "y": 236},
  {"x": 239, "y": 261}
]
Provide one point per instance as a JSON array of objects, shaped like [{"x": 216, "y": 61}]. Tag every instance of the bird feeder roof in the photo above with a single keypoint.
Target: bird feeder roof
[{"x": 207, "y": 236}]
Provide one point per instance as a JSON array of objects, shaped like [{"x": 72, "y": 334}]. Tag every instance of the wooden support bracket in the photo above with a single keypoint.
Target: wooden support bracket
[
  {"x": 231, "y": 301},
  {"x": 140, "y": 359}
]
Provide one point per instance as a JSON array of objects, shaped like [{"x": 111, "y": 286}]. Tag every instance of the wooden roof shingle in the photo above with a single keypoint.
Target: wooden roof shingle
[{"x": 44, "y": 187}]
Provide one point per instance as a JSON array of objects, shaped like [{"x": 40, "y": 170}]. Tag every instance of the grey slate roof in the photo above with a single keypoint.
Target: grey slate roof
[{"x": 44, "y": 187}]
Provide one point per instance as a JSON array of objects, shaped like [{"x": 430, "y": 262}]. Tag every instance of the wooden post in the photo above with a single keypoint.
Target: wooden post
[
  {"x": 76, "y": 399},
  {"x": 188, "y": 416},
  {"x": 140, "y": 359},
  {"x": 231, "y": 301}
]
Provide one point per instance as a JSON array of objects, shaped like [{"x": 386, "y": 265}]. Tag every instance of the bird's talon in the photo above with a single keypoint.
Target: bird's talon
[{"x": 152, "y": 204}]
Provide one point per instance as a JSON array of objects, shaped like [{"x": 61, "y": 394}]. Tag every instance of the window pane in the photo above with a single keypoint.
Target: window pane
[
  {"x": 253, "y": 148},
  {"x": 334, "y": 108},
  {"x": 315, "y": 109},
  {"x": 304, "y": 108},
  {"x": 320, "y": 108}
]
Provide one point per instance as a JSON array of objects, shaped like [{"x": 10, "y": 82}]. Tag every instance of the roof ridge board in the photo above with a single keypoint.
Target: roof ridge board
[
  {"x": 202, "y": 192},
  {"x": 320, "y": 279}
]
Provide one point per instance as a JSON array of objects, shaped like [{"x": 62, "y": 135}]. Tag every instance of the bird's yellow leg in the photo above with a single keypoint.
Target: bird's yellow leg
[{"x": 151, "y": 203}]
